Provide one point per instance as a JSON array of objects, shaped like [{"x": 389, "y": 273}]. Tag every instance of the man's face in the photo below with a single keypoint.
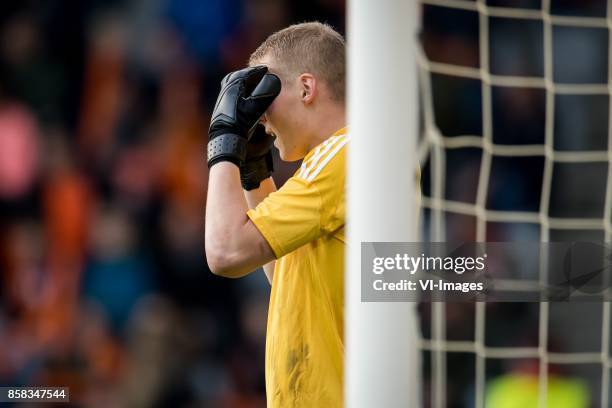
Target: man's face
[{"x": 282, "y": 117}]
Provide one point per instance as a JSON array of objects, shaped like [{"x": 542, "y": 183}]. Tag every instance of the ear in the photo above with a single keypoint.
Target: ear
[{"x": 308, "y": 88}]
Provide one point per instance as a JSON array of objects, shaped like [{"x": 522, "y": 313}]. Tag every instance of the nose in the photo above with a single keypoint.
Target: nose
[{"x": 263, "y": 119}]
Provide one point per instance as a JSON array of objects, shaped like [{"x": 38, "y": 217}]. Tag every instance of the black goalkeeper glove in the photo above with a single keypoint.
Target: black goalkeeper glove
[
  {"x": 244, "y": 97},
  {"x": 257, "y": 165}
]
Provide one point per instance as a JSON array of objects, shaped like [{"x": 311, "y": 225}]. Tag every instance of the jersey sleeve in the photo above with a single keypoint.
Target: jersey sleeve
[{"x": 309, "y": 205}]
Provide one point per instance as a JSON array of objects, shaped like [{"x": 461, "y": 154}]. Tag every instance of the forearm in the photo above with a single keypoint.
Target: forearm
[
  {"x": 227, "y": 249},
  {"x": 254, "y": 197},
  {"x": 226, "y": 206}
]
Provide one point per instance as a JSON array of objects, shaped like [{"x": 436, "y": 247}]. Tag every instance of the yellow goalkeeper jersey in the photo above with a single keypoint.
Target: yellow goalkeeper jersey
[{"x": 304, "y": 224}]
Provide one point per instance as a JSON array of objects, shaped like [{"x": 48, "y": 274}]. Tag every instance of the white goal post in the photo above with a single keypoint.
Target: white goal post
[
  {"x": 382, "y": 339},
  {"x": 382, "y": 357}
]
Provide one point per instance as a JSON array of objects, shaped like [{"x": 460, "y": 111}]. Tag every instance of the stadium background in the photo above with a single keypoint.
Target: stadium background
[{"x": 104, "y": 107}]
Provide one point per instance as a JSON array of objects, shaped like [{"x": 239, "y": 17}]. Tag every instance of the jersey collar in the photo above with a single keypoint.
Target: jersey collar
[{"x": 339, "y": 132}]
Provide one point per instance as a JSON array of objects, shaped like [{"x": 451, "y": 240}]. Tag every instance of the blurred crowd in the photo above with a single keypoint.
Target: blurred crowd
[
  {"x": 103, "y": 117},
  {"x": 104, "y": 108}
]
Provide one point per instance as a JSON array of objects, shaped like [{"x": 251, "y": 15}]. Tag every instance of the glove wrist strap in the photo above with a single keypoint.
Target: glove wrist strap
[{"x": 226, "y": 147}]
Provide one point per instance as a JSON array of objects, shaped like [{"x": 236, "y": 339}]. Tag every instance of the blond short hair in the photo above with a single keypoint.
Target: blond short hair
[{"x": 308, "y": 47}]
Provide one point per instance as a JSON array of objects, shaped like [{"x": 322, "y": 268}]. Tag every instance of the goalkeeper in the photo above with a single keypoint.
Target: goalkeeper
[{"x": 291, "y": 94}]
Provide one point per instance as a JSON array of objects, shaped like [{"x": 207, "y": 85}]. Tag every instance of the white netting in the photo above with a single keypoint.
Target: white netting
[{"x": 554, "y": 82}]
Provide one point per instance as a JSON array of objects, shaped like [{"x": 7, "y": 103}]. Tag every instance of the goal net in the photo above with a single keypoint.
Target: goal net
[{"x": 516, "y": 145}]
